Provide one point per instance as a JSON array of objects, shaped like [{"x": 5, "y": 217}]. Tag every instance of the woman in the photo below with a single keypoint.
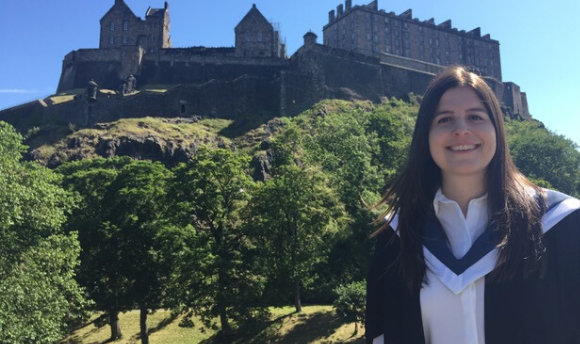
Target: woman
[{"x": 474, "y": 253}]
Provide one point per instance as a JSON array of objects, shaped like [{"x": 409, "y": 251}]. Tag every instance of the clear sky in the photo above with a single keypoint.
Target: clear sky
[{"x": 539, "y": 44}]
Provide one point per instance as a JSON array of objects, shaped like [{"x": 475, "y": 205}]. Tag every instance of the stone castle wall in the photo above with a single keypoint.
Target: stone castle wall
[
  {"x": 371, "y": 31},
  {"x": 106, "y": 66}
]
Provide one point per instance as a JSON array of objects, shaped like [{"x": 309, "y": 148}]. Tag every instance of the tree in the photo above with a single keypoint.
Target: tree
[
  {"x": 99, "y": 269},
  {"x": 39, "y": 297},
  {"x": 338, "y": 142},
  {"x": 546, "y": 158},
  {"x": 293, "y": 215},
  {"x": 138, "y": 210},
  {"x": 124, "y": 212},
  {"x": 208, "y": 193}
]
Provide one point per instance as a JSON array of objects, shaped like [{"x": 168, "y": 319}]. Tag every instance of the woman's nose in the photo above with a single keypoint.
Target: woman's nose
[{"x": 461, "y": 127}]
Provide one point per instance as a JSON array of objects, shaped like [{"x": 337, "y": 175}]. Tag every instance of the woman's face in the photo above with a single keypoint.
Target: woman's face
[{"x": 462, "y": 138}]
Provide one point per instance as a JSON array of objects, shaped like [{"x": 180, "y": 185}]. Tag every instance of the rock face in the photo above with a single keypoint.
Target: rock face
[
  {"x": 147, "y": 148},
  {"x": 168, "y": 140}
]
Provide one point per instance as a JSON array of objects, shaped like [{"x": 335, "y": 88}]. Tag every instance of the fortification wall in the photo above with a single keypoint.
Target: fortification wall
[
  {"x": 106, "y": 66},
  {"x": 408, "y": 63},
  {"x": 334, "y": 73},
  {"x": 173, "y": 69}
]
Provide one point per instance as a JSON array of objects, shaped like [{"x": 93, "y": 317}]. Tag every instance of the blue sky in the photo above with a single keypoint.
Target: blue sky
[{"x": 539, "y": 45}]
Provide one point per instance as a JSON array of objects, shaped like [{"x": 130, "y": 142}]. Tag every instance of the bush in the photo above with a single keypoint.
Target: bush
[{"x": 350, "y": 303}]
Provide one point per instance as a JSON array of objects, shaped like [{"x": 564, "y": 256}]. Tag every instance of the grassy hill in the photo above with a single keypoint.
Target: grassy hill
[{"x": 315, "y": 324}]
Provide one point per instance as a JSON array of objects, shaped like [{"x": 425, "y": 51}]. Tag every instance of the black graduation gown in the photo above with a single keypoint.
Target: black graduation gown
[{"x": 534, "y": 310}]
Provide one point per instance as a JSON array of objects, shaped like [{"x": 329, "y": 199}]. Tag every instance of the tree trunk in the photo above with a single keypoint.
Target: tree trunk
[
  {"x": 144, "y": 333},
  {"x": 114, "y": 323},
  {"x": 224, "y": 320},
  {"x": 297, "y": 302},
  {"x": 221, "y": 302}
]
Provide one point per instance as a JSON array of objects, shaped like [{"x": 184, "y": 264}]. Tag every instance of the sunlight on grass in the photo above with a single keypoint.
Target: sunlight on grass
[
  {"x": 61, "y": 99},
  {"x": 315, "y": 324},
  {"x": 163, "y": 330}
]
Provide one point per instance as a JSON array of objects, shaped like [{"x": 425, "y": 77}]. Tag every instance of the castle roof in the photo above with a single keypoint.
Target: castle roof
[
  {"x": 253, "y": 13},
  {"x": 121, "y": 6},
  {"x": 155, "y": 12}
]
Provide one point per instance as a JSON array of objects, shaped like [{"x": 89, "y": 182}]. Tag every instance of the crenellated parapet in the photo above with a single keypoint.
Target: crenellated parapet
[{"x": 368, "y": 30}]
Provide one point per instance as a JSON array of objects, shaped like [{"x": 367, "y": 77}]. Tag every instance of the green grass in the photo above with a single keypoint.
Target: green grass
[
  {"x": 165, "y": 129},
  {"x": 315, "y": 324}
]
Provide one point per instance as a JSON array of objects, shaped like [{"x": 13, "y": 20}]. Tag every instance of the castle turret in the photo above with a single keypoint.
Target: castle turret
[{"x": 310, "y": 39}]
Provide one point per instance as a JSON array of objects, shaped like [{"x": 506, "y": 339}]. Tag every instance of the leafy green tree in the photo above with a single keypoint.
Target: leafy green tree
[
  {"x": 138, "y": 216},
  {"x": 549, "y": 159},
  {"x": 124, "y": 213},
  {"x": 100, "y": 271},
  {"x": 360, "y": 146},
  {"x": 39, "y": 296},
  {"x": 339, "y": 144},
  {"x": 294, "y": 215},
  {"x": 389, "y": 127},
  {"x": 350, "y": 303},
  {"x": 208, "y": 193}
]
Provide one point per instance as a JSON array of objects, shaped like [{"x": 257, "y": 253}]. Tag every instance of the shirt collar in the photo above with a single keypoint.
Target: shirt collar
[{"x": 441, "y": 199}]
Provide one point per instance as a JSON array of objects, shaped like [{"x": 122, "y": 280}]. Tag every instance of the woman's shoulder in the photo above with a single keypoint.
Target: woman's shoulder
[{"x": 559, "y": 207}]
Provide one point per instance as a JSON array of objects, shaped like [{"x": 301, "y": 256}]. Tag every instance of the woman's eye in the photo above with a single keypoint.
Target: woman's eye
[
  {"x": 443, "y": 120},
  {"x": 476, "y": 117}
]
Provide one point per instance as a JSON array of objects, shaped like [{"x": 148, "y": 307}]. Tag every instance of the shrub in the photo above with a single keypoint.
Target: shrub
[{"x": 350, "y": 303}]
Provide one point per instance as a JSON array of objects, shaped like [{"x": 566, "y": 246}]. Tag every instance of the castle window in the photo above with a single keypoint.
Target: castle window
[
  {"x": 247, "y": 37},
  {"x": 260, "y": 36},
  {"x": 111, "y": 40},
  {"x": 125, "y": 25},
  {"x": 125, "y": 40},
  {"x": 112, "y": 26}
]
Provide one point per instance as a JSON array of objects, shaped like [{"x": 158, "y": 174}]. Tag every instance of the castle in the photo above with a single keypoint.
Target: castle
[
  {"x": 366, "y": 53},
  {"x": 371, "y": 31}
]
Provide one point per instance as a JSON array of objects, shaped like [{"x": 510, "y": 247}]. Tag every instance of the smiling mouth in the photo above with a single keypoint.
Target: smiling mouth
[{"x": 463, "y": 148}]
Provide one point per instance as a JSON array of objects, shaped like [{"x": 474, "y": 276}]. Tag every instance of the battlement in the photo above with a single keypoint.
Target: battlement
[
  {"x": 407, "y": 15},
  {"x": 380, "y": 32}
]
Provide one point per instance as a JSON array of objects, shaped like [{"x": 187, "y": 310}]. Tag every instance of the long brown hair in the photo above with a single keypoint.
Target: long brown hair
[{"x": 513, "y": 208}]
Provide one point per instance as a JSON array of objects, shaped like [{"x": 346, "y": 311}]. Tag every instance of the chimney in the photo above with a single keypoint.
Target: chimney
[
  {"x": 166, "y": 5},
  {"x": 331, "y": 16},
  {"x": 339, "y": 10},
  {"x": 310, "y": 38},
  {"x": 348, "y": 5}
]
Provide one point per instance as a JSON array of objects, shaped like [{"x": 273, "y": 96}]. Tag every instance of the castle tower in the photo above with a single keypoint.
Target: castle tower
[
  {"x": 157, "y": 22},
  {"x": 256, "y": 37},
  {"x": 118, "y": 26},
  {"x": 121, "y": 27}
]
